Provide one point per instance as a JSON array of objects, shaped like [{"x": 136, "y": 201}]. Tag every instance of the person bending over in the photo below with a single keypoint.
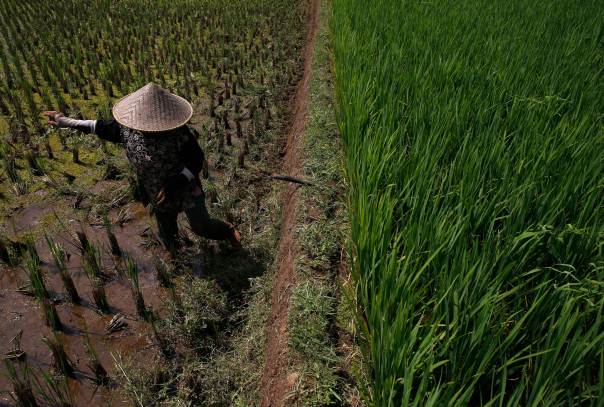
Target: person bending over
[{"x": 151, "y": 124}]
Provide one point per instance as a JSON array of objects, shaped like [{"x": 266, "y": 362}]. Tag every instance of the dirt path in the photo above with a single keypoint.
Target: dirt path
[{"x": 275, "y": 385}]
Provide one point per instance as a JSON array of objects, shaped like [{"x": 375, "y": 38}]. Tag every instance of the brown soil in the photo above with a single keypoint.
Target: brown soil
[
  {"x": 275, "y": 384},
  {"x": 19, "y": 312}
]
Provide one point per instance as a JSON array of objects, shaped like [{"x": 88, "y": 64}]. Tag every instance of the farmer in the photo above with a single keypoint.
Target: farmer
[{"x": 151, "y": 123}]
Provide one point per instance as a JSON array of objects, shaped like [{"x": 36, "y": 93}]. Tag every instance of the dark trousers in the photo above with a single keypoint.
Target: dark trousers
[{"x": 200, "y": 221}]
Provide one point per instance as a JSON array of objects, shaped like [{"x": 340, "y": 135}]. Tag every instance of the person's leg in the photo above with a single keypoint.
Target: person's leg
[
  {"x": 168, "y": 229},
  {"x": 205, "y": 226}
]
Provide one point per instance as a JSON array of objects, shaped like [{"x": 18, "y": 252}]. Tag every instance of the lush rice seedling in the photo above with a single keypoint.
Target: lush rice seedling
[
  {"x": 92, "y": 262},
  {"x": 38, "y": 288},
  {"x": 474, "y": 144},
  {"x": 83, "y": 242},
  {"x": 92, "y": 267},
  {"x": 209, "y": 42},
  {"x": 10, "y": 168},
  {"x": 36, "y": 278},
  {"x": 48, "y": 148},
  {"x": 75, "y": 154},
  {"x": 11, "y": 252},
  {"x": 100, "y": 297},
  {"x": 61, "y": 361},
  {"x": 50, "y": 315},
  {"x": 54, "y": 391},
  {"x": 137, "y": 295},
  {"x": 35, "y": 164},
  {"x": 113, "y": 243},
  {"x": 20, "y": 378},
  {"x": 95, "y": 365},
  {"x": 60, "y": 258}
]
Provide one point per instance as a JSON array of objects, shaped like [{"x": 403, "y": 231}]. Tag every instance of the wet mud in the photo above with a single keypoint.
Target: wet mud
[{"x": 22, "y": 313}]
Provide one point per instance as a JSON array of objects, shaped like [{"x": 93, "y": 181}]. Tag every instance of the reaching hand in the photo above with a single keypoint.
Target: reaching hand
[
  {"x": 173, "y": 187},
  {"x": 53, "y": 117}
]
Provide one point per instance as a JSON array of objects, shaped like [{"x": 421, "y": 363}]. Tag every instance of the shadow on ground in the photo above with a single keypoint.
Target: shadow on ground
[{"x": 230, "y": 270}]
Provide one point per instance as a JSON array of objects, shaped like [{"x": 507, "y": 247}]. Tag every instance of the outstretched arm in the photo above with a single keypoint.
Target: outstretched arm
[
  {"x": 106, "y": 129},
  {"x": 61, "y": 121}
]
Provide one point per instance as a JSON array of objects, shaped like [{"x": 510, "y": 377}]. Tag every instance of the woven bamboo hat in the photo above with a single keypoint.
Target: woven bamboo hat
[{"x": 152, "y": 109}]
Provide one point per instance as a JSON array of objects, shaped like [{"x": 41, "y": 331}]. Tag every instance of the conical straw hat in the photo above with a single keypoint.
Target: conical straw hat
[{"x": 152, "y": 109}]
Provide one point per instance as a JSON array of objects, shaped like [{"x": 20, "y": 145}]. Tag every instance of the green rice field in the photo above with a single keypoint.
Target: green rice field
[{"x": 474, "y": 139}]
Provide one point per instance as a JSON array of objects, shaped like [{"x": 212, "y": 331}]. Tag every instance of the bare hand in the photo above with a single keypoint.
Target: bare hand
[
  {"x": 160, "y": 197},
  {"x": 53, "y": 117},
  {"x": 174, "y": 187}
]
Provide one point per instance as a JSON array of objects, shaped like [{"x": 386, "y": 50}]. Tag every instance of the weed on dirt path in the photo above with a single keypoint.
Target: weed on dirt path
[{"x": 274, "y": 381}]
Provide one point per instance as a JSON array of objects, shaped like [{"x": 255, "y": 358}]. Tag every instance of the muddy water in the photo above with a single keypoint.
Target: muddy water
[{"x": 19, "y": 312}]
